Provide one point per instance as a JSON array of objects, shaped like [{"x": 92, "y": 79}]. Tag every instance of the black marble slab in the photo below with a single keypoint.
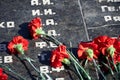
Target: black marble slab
[{"x": 74, "y": 21}]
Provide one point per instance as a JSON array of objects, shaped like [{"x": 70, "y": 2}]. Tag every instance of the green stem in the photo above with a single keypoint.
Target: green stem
[
  {"x": 112, "y": 63},
  {"x": 76, "y": 61},
  {"x": 86, "y": 61},
  {"x": 99, "y": 69},
  {"x": 108, "y": 61},
  {"x": 30, "y": 62},
  {"x": 111, "y": 71},
  {"x": 70, "y": 53},
  {"x": 97, "y": 73},
  {"x": 52, "y": 39},
  {"x": 80, "y": 76},
  {"x": 109, "y": 65},
  {"x": 9, "y": 69},
  {"x": 17, "y": 75},
  {"x": 41, "y": 75},
  {"x": 72, "y": 57},
  {"x": 114, "y": 66},
  {"x": 81, "y": 68}
]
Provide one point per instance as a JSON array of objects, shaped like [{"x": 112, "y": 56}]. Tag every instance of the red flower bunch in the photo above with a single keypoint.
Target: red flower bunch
[
  {"x": 103, "y": 48},
  {"x": 35, "y": 28},
  {"x": 58, "y": 56},
  {"x": 109, "y": 47},
  {"x": 88, "y": 50},
  {"x": 104, "y": 45},
  {"x": 3, "y": 76},
  {"x": 18, "y": 45}
]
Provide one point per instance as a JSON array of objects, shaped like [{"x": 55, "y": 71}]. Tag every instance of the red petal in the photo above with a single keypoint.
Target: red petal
[
  {"x": 80, "y": 53},
  {"x": 4, "y": 77},
  {"x": 100, "y": 39},
  {"x": 36, "y": 22},
  {"x": 103, "y": 50},
  {"x": 56, "y": 64}
]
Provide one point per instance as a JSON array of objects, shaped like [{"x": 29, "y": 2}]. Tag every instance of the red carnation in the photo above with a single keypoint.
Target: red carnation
[
  {"x": 58, "y": 56},
  {"x": 35, "y": 27},
  {"x": 107, "y": 45},
  {"x": 3, "y": 76},
  {"x": 110, "y": 47},
  {"x": 88, "y": 50},
  {"x": 18, "y": 45},
  {"x": 116, "y": 56}
]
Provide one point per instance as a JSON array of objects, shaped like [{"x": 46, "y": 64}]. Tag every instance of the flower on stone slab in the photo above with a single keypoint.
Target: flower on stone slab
[
  {"x": 3, "y": 76},
  {"x": 116, "y": 57},
  {"x": 107, "y": 45},
  {"x": 59, "y": 56},
  {"x": 35, "y": 28},
  {"x": 18, "y": 45},
  {"x": 88, "y": 50},
  {"x": 110, "y": 49}
]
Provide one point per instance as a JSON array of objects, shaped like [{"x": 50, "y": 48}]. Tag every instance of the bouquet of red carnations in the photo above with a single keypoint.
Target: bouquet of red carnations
[{"x": 103, "y": 52}]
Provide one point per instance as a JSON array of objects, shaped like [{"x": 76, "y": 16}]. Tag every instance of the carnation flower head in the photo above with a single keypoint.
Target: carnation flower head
[
  {"x": 59, "y": 56},
  {"x": 107, "y": 45},
  {"x": 18, "y": 45},
  {"x": 3, "y": 76},
  {"x": 88, "y": 50},
  {"x": 35, "y": 28}
]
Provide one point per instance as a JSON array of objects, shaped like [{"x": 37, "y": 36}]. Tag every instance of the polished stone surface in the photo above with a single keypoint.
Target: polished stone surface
[{"x": 77, "y": 20}]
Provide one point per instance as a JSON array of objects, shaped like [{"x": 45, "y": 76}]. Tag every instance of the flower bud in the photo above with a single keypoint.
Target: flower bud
[
  {"x": 111, "y": 51},
  {"x": 40, "y": 31},
  {"x": 89, "y": 53},
  {"x": 66, "y": 61},
  {"x": 19, "y": 48}
]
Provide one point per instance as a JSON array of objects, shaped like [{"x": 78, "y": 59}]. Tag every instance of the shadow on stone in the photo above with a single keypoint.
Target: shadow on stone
[{"x": 24, "y": 31}]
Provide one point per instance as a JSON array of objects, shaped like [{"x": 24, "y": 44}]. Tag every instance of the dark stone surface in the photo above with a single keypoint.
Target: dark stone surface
[{"x": 70, "y": 27}]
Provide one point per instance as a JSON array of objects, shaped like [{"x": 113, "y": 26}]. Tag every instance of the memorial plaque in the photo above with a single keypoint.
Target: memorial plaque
[{"x": 70, "y": 21}]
